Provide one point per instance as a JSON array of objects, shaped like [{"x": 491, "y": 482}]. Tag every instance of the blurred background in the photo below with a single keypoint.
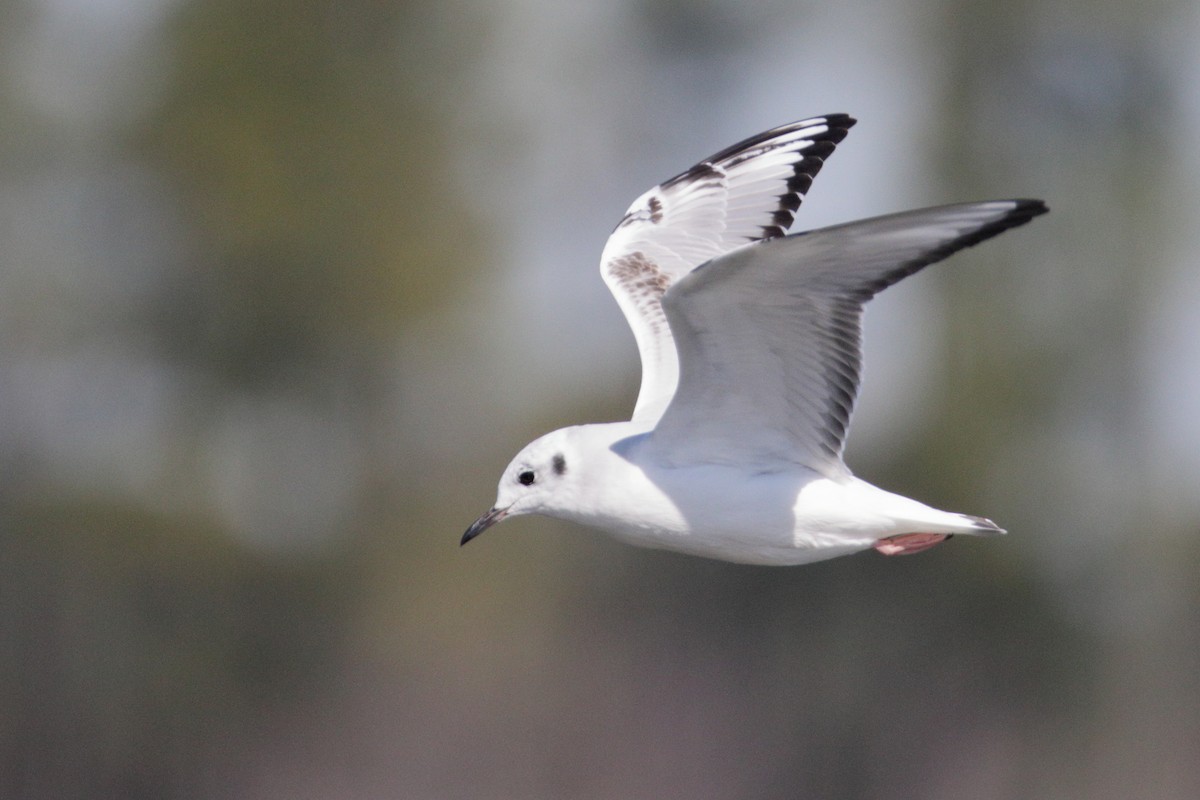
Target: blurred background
[{"x": 284, "y": 286}]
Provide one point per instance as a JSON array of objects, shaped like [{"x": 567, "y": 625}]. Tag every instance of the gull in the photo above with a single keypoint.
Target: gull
[{"x": 751, "y": 349}]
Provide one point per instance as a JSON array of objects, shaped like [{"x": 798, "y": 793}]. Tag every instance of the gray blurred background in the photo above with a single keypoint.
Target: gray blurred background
[{"x": 283, "y": 287}]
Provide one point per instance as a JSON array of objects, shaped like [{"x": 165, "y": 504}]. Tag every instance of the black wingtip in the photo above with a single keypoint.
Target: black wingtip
[
  {"x": 1027, "y": 209},
  {"x": 1008, "y": 214},
  {"x": 836, "y": 127},
  {"x": 843, "y": 122},
  {"x": 1023, "y": 211}
]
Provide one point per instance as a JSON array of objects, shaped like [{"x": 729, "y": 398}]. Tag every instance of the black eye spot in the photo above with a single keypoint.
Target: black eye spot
[{"x": 526, "y": 478}]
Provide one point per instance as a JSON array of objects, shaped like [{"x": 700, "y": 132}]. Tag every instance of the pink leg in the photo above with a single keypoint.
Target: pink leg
[{"x": 908, "y": 543}]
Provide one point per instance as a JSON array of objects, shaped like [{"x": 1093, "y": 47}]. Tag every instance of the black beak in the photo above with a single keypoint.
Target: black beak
[{"x": 483, "y": 523}]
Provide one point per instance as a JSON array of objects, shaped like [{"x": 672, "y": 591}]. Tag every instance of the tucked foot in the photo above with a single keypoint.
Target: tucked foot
[{"x": 908, "y": 543}]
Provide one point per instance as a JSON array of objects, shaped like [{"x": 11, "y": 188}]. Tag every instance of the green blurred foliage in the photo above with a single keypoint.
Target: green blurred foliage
[
  {"x": 316, "y": 176},
  {"x": 310, "y": 165}
]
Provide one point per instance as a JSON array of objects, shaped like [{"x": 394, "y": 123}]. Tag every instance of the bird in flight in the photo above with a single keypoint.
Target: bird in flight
[{"x": 751, "y": 348}]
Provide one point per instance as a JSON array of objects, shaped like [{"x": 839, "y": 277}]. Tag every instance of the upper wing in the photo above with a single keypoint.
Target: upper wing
[
  {"x": 769, "y": 336},
  {"x": 742, "y": 194}
]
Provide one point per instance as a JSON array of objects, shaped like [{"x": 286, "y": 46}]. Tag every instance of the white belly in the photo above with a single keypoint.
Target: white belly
[{"x": 781, "y": 518}]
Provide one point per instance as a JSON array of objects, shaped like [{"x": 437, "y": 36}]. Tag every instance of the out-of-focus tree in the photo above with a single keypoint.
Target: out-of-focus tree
[
  {"x": 316, "y": 178},
  {"x": 302, "y": 169}
]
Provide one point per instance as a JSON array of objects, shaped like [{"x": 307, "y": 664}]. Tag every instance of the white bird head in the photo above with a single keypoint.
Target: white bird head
[{"x": 538, "y": 481}]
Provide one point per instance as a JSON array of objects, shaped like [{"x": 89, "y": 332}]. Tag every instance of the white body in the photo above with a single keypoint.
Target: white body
[
  {"x": 782, "y": 517},
  {"x": 750, "y": 343}
]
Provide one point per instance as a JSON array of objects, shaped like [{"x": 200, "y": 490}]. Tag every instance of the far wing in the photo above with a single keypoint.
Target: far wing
[
  {"x": 742, "y": 194},
  {"x": 769, "y": 336}
]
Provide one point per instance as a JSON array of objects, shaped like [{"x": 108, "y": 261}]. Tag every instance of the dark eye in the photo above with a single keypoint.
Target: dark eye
[{"x": 526, "y": 478}]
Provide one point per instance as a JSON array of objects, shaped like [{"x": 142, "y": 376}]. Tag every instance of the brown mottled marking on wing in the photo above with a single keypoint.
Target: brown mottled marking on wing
[
  {"x": 644, "y": 283},
  {"x": 656, "y": 210}
]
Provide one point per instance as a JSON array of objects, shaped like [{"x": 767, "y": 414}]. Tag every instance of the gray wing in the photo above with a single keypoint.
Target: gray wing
[
  {"x": 769, "y": 336},
  {"x": 742, "y": 194}
]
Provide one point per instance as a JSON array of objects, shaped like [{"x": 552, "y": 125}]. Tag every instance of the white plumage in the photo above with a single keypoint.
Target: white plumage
[{"x": 750, "y": 342}]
